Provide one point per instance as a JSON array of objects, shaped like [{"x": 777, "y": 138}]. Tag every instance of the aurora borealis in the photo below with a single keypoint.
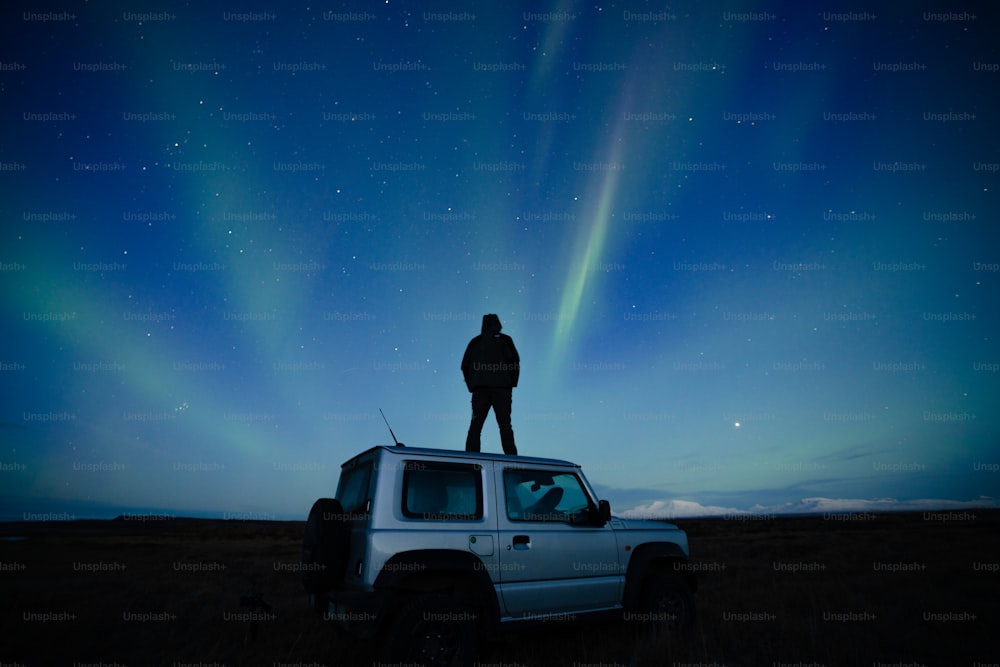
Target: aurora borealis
[{"x": 748, "y": 252}]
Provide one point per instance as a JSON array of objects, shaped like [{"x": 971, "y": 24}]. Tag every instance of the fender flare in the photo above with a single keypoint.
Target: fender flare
[{"x": 654, "y": 556}]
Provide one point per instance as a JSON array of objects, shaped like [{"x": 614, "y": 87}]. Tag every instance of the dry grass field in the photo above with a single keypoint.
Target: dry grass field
[{"x": 872, "y": 590}]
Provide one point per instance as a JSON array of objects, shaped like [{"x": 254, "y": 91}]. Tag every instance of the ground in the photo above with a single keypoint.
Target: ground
[{"x": 918, "y": 588}]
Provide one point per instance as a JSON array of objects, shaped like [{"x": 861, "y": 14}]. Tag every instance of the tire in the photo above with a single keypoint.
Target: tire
[
  {"x": 324, "y": 547},
  {"x": 666, "y": 603},
  {"x": 431, "y": 630}
]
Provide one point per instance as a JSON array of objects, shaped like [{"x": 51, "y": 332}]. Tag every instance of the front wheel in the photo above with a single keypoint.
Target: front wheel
[
  {"x": 431, "y": 630},
  {"x": 666, "y": 602}
]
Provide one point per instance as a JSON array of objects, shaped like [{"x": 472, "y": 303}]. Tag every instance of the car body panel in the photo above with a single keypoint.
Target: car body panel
[{"x": 531, "y": 538}]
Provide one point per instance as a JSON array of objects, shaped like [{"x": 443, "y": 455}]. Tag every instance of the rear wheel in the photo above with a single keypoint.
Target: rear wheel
[
  {"x": 431, "y": 630},
  {"x": 324, "y": 547}
]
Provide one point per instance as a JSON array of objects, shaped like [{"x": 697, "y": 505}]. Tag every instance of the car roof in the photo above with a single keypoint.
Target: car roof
[{"x": 458, "y": 453}]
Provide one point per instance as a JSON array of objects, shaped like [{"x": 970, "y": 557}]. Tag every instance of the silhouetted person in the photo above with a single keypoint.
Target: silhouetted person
[{"x": 491, "y": 367}]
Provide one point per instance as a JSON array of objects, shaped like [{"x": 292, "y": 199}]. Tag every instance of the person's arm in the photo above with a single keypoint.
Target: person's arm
[
  {"x": 467, "y": 363},
  {"x": 515, "y": 361}
]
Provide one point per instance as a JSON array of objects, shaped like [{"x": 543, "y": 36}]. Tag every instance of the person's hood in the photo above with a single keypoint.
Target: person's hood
[{"x": 491, "y": 324}]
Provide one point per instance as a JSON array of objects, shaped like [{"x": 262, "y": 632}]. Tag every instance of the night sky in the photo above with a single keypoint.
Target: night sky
[{"x": 748, "y": 253}]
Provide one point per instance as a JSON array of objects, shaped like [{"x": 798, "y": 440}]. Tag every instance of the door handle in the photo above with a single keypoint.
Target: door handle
[{"x": 521, "y": 542}]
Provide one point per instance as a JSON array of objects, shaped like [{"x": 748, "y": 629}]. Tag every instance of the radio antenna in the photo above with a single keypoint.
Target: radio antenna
[{"x": 398, "y": 443}]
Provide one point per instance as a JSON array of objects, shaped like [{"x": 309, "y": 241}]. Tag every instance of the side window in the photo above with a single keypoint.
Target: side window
[
  {"x": 539, "y": 495},
  {"x": 352, "y": 492},
  {"x": 442, "y": 491}
]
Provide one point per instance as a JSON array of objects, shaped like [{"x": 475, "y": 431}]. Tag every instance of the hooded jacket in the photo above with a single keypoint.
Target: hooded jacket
[{"x": 491, "y": 360}]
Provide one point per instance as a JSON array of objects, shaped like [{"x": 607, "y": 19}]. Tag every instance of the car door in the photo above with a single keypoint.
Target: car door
[{"x": 550, "y": 562}]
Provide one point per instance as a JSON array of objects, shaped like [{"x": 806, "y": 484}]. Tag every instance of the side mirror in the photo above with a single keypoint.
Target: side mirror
[
  {"x": 588, "y": 517},
  {"x": 603, "y": 511}
]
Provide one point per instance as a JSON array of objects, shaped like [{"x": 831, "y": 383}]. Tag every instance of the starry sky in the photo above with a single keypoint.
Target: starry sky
[{"x": 748, "y": 252}]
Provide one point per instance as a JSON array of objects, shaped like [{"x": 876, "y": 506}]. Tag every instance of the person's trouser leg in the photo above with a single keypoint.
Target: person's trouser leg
[
  {"x": 480, "y": 408},
  {"x": 501, "y": 409}
]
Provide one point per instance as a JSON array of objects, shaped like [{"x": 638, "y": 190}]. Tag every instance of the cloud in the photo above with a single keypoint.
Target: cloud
[
  {"x": 684, "y": 509},
  {"x": 854, "y": 453}
]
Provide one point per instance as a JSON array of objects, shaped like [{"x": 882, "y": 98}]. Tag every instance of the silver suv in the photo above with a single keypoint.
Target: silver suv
[{"x": 435, "y": 551}]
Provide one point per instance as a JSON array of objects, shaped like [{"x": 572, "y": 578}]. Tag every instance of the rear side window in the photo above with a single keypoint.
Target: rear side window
[
  {"x": 352, "y": 492},
  {"x": 442, "y": 491}
]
